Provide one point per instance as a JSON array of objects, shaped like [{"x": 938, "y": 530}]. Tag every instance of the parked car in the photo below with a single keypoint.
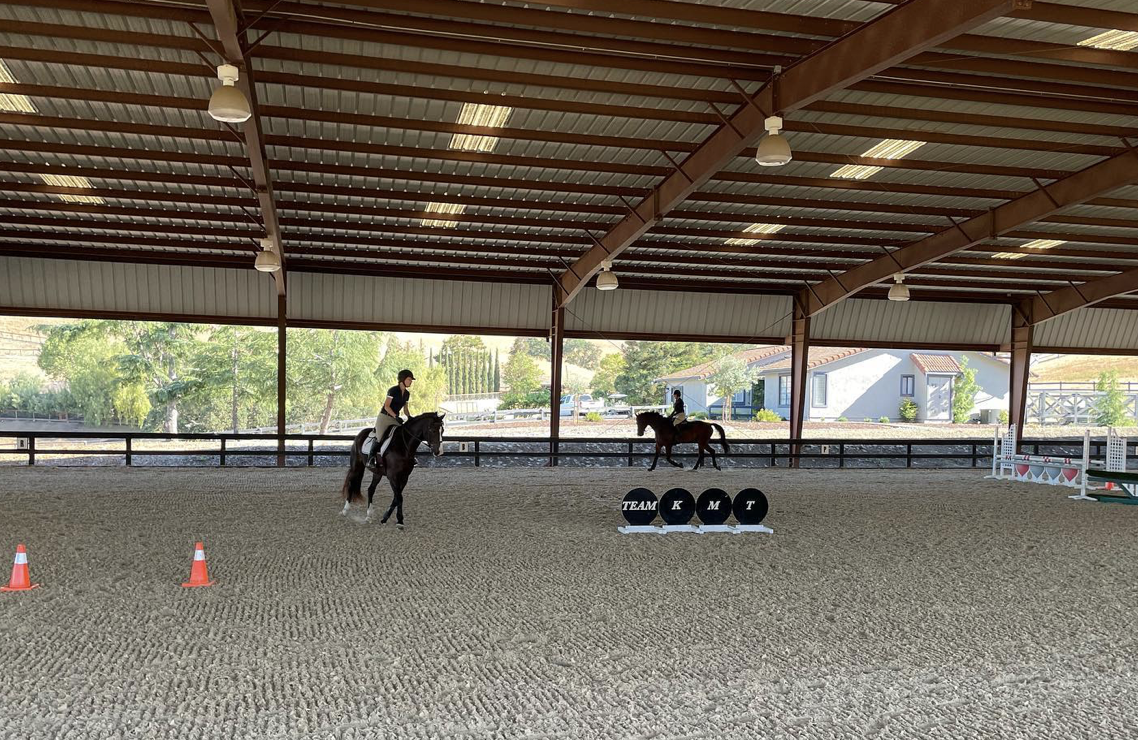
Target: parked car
[{"x": 583, "y": 402}]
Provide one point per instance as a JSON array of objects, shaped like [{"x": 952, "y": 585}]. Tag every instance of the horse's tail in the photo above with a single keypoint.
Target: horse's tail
[
  {"x": 356, "y": 467},
  {"x": 723, "y": 439}
]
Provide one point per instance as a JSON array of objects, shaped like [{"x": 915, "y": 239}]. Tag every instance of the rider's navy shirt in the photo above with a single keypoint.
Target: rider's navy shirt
[
  {"x": 399, "y": 397},
  {"x": 678, "y": 408}
]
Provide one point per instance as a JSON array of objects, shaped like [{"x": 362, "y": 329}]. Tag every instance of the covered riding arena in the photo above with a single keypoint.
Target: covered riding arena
[{"x": 843, "y": 173}]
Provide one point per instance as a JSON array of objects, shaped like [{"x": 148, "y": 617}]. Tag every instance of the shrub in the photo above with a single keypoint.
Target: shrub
[
  {"x": 1004, "y": 418},
  {"x": 1110, "y": 406},
  {"x": 868, "y": 420},
  {"x": 883, "y": 420},
  {"x": 964, "y": 390},
  {"x": 593, "y": 416},
  {"x": 842, "y": 418},
  {"x": 767, "y": 415},
  {"x": 908, "y": 410},
  {"x": 697, "y": 415}
]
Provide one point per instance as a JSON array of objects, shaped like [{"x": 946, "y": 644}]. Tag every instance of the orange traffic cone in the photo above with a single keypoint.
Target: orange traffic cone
[
  {"x": 199, "y": 574},
  {"x": 21, "y": 579}
]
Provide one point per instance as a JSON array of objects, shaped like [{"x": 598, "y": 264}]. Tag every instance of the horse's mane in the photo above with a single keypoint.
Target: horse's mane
[{"x": 652, "y": 414}]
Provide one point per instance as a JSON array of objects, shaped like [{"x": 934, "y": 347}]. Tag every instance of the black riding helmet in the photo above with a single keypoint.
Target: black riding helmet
[{"x": 404, "y": 374}]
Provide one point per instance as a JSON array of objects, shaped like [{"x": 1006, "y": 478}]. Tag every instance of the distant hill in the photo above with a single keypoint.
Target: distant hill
[
  {"x": 19, "y": 346},
  {"x": 1071, "y": 368}
]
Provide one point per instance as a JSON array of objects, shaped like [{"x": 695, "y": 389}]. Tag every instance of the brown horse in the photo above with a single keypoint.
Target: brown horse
[{"x": 690, "y": 431}]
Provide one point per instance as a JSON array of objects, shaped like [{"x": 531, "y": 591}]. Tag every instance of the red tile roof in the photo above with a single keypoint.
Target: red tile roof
[
  {"x": 818, "y": 357},
  {"x": 935, "y": 363},
  {"x": 705, "y": 369}
]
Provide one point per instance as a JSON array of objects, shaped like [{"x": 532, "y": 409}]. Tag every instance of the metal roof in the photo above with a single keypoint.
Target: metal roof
[{"x": 359, "y": 102}]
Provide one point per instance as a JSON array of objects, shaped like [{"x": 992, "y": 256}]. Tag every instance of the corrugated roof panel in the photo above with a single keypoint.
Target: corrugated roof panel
[
  {"x": 707, "y": 314},
  {"x": 67, "y": 285},
  {"x": 419, "y": 303},
  {"x": 1092, "y": 328},
  {"x": 862, "y": 320}
]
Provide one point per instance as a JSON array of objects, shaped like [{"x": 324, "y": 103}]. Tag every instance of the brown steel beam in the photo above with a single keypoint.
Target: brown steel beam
[
  {"x": 1099, "y": 178},
  {"x": 556, "y": 361},
  {"x": 890, "y": 39},
  {"x": 1047, "y": 306},
  {"x": 1019, "y": 372},
  {"x": 799, "y": 341},
  {"x": 356, "y": 119},
  {"x": 230, "y": 26},
  {"x": 282, "y": 375},
  {"x": 989, "y": 84}
]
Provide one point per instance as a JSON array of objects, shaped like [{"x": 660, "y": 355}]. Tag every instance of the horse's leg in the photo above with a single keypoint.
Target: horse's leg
[
  {"x": 399, "y": 502},
  {"x": 655, "y": 459},
  {"x": 698, "y": 460},
  {"x": 711, "y": 450},
  {"x": 376, "y": 477},
  {"x": 668, "y": 450},
  {"x": 395, "y": 499}
]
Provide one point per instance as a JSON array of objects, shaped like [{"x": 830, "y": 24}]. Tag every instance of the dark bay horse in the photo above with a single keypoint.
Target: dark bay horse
[
  {"x": 690, "y": 431},
  {"x": 397, "y": 463}
]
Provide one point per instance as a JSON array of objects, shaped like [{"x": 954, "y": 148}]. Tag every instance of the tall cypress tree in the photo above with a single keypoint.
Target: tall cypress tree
[{"x": 497, "y": 374}]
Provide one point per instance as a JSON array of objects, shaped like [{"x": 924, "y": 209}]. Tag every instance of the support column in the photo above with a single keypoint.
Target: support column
[
  {"x": 556, "y": 342},
  {"x": 1022, "y": 342},
  {"x": 282, "y": 342},
  {"x": 799, "y": 341}
]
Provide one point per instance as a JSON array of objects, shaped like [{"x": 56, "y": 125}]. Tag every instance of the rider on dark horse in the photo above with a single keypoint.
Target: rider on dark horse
[
  {"x": 396, "y": 402},
  {"x": 678, "y": 416}
]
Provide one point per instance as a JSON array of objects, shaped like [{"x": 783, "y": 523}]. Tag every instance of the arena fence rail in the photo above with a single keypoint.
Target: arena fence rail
[{"x": 307, "y": 450}]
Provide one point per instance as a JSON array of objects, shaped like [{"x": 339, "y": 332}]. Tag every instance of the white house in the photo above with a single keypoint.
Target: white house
[
  {"x": 862, "y": 384},
  {"x": 699, "y": 395},
  {"x": 852, "y": 383}
]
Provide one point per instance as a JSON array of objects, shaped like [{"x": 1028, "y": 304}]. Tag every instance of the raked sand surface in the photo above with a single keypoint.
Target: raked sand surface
[{"x": 888, "y": 604}]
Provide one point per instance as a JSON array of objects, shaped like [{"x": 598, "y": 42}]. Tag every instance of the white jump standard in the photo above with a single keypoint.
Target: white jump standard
[{"x": 1007, "y": 464}]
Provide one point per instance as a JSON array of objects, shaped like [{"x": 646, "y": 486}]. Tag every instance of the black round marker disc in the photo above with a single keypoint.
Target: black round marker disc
[
  {"x": 639, "y": 507},
  {"x": 677, "y": 506},
  {"x": 750, "y": 506},
  {"x": 713, "y": 506}
]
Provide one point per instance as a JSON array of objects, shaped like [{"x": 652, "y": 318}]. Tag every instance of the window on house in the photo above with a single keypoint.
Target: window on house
[
  {"x": 908, "y": 386},
  {"x": 784, "y": 390},
  {"x": 818, "y": 391}
]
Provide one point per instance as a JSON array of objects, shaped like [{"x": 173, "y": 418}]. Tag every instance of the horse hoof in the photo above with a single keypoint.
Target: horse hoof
[{"x": 399, "y": 525}]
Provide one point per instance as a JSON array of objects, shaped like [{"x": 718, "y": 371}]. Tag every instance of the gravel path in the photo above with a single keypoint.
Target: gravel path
[{"x": 888, "y": 604}]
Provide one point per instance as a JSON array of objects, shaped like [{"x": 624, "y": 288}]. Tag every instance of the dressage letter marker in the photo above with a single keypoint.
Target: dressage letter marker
[
  {"x": 639, "y": 509},
  {"x": 677, "y": 507},
  {"x": 713, "y": 507},
  {"x": 750, "y": 508}
]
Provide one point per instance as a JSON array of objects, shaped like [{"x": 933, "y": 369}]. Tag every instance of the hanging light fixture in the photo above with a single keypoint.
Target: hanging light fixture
[
  {"x": 607, "y": 280},
  {"x": 773, "y": 151},
  {"x": 267, "y": 259},
  {"x": 899, "y": 291},
  {"x": 228, "y": 104}
]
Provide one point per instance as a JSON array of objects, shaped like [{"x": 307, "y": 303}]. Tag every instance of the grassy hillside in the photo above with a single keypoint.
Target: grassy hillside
[{"x": 1068, "y": 368}]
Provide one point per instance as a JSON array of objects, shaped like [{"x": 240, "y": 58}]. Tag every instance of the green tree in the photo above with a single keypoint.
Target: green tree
[
  {"x": 336, "y": 367},
  {"x": 1110, "y": 405},
  {"x": 497, "y": 374},
  {"x": 84, "y": 356},
  {"x": 964, "y": 391},
  {"x": 583, "y": 353},
  {"x": 535, "y": 347},
  {"x": 646, "y": 361},
  {"x": 132, "y": 404},
  {"x": 24, "y": 391},
  {"x": 730, "y": 376},
  {"x": 236, "y": 368},
  {"x": 522, "y": 378},
  {"x": 604, "y": 380},
  {"x": 158, "y": 356}
]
